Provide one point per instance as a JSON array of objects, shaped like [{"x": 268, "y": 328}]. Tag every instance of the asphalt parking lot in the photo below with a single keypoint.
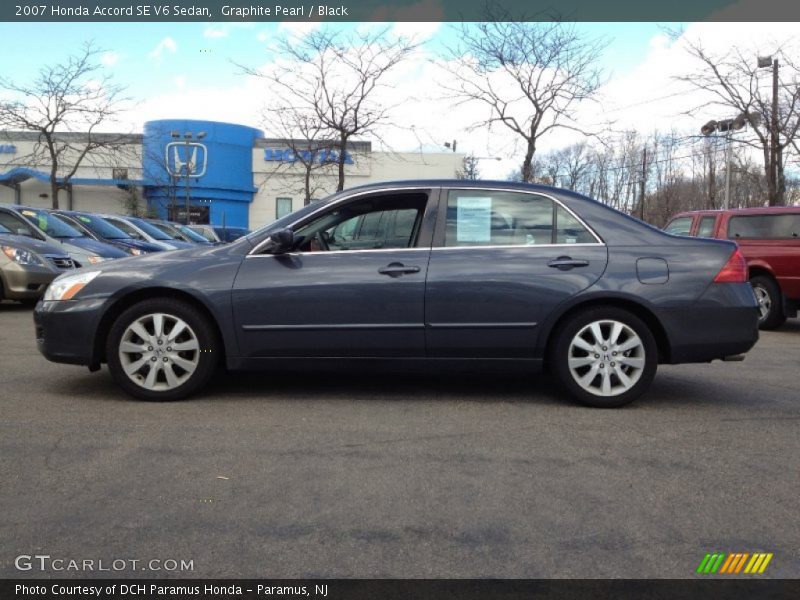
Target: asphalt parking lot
[{"x": 356, "y": 475}]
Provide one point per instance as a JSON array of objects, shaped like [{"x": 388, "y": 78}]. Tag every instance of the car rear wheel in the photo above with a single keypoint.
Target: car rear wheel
[
  {"x": 770, "y": 302},
  {"x": 604, "y": 357},
  {"x": 162, "y": 349}
]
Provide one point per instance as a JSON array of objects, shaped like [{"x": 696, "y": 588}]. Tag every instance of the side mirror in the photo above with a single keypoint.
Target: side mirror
[{"x": 279, "y": 242}]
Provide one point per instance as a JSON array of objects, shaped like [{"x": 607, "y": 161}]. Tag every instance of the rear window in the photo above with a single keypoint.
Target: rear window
[
  {"x": 679, "y": 226},
  {"x": 764, "y": 227}
]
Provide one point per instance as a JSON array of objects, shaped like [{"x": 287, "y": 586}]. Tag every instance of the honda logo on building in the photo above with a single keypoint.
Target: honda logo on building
[{"x": 186, "y": 160}]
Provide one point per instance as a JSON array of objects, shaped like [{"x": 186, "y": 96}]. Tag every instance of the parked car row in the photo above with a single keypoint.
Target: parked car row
[
  {"x": 769, "y": 239},
  {"x": 39, "y": 244}
]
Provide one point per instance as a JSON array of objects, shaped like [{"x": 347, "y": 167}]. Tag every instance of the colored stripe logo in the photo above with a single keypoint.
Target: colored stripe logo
[{"x": 734, "y": 563}]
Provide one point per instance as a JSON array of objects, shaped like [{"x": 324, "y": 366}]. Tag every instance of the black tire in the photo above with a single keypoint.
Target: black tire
[
  {"x": 560, "y": 353},
  {"x": 767, "y": 290},
  {"x": 207, "y": 357}
]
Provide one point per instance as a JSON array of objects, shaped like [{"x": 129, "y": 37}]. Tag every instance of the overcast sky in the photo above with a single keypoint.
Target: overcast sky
[{"x": 186, "y": 71}]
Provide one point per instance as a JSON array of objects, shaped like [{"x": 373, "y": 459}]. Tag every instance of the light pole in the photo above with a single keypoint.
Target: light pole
[
  {"x": 188, "y": 164},
  {"x": 726, "y": 126}
]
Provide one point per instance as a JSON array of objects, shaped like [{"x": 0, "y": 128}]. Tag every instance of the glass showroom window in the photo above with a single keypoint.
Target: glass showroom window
[{"x": 283, "y": 206}]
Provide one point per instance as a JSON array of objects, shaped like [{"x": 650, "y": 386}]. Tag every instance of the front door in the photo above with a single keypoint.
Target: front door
[
  {"x": 502, "y": 261},
  {"x": 353, "y": 286}
]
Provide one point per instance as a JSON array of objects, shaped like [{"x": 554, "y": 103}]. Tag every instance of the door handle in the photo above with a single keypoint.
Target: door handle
[
  {"x": 396, "y": 269},
  {"x": 565, "y": 263}
]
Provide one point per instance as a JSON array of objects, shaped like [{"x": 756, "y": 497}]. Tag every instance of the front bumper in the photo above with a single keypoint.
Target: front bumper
[
  {"x": 25, "y": 282},
  {"x": 722, "y": 323},
  {"x": 66, "y": 330}
]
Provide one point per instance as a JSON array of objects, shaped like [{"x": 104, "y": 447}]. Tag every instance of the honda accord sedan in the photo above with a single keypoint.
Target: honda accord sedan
[{"x": 442, "y": 273}]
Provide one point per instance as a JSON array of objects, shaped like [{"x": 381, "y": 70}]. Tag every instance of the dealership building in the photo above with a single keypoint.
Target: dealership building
[{"x": 226, "y": 174}]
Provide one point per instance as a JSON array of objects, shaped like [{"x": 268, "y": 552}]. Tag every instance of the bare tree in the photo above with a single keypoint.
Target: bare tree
[
  {"x": 70, "y": 97},
  {"x": 734, "y": 83},
  {"x": 531, "y": 76},
  {"x": 329, "y": 82},
  {"x": 311, "y": 150},
  {"x": 469, "y": 168}
]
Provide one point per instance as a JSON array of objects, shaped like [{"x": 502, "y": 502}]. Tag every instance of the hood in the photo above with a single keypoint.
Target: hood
[
  {"x": 90, "y": 246},
  {"x": 32, "y": 245}
]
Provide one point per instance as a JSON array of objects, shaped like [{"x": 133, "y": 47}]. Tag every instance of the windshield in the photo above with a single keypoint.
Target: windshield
[
  {"x": 153, "y": 232},
  {"x": 51, "y": 225},
  {"x": 169, "y": 230},
  {"x": 192, "y": 235},
  {"x": 101, "y": 227}
]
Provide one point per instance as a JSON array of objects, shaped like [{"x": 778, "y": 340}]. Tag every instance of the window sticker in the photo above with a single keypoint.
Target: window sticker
[
  {"x": 474, "y": 219},
  {"x": 84, "y": 219},
  {"x": 28, "y": 213}
]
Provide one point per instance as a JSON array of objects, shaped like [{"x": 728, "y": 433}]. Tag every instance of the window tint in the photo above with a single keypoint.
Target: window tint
[
  {"x": 764, "y": 227},
  {"x": 569, "y": 230},
  {"x": 370, "y": 224},
  {"x": 679, "y": 226},
  {"x": 490, "y": 218},
  {"x": 706, "y": 227}
]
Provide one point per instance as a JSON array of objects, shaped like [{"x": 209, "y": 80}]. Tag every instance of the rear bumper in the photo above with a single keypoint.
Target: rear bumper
[
  {"x": 66, "y": 330},
  {"x": 723, "y": 322}
]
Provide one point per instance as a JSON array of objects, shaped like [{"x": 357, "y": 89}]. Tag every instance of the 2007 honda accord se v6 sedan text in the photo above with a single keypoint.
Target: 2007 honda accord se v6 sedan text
[{"x": 446, "y": 273}]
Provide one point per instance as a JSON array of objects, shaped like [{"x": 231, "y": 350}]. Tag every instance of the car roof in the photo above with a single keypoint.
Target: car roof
[{"x": 754, "y": 210}]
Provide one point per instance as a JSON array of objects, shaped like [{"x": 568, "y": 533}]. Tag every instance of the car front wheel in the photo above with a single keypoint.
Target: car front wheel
[
  {"x": 604, "y": 357},
  {"x": 162, "y": 349}
]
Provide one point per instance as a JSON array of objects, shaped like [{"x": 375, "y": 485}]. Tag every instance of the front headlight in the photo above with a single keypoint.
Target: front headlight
[
  {"x": 93, "y": 260},
  {"x": 66, "y": 286},
  {"x": 135, "y": 251},
  {"x": 23, "y": 257}
]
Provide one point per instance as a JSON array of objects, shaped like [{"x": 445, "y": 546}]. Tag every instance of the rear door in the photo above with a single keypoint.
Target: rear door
[{"x": 501, "y": 262}]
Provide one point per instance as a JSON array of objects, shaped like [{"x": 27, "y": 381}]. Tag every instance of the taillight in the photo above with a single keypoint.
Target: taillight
[{"x": 734, "y": 271}]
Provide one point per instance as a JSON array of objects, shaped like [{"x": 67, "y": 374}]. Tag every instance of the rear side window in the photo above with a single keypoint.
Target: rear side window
[
  {"x": 493, "y": 218},
  {"x": 706, "y": 227},
  {"x": 764, "y": 227},
  {"x": 679, "y": 226}
]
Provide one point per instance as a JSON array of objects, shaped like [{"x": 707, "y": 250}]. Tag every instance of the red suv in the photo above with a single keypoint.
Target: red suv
[{"x": 770, "y": 241}]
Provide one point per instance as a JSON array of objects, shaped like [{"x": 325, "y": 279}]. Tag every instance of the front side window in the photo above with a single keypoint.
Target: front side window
[
  {"x": 371, "y": 224},
  {"x": 679, "y": 226},
  {"x": 283, "y": 207},
  {"x": 493, "y": 218}
]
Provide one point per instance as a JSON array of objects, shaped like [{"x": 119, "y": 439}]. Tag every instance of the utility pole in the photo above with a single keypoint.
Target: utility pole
[
  {"x": 778, "y": 199},
  {"x": 644, "y": 182},
  {"x": 728, "y": 153}
]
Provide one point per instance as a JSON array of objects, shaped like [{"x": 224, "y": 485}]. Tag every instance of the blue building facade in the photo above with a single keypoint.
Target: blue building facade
[{"x": 208, "y": 161}]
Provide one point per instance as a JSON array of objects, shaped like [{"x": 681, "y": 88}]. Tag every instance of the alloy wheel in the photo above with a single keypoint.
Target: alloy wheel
[
  {"x": 764, "y": 301},
  {"x": 606, "y": 358},
  {"x": 159, "y": 351}
]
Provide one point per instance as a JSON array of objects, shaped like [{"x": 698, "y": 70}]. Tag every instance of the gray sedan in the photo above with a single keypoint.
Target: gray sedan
[{"x": 448, "y": 274}]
